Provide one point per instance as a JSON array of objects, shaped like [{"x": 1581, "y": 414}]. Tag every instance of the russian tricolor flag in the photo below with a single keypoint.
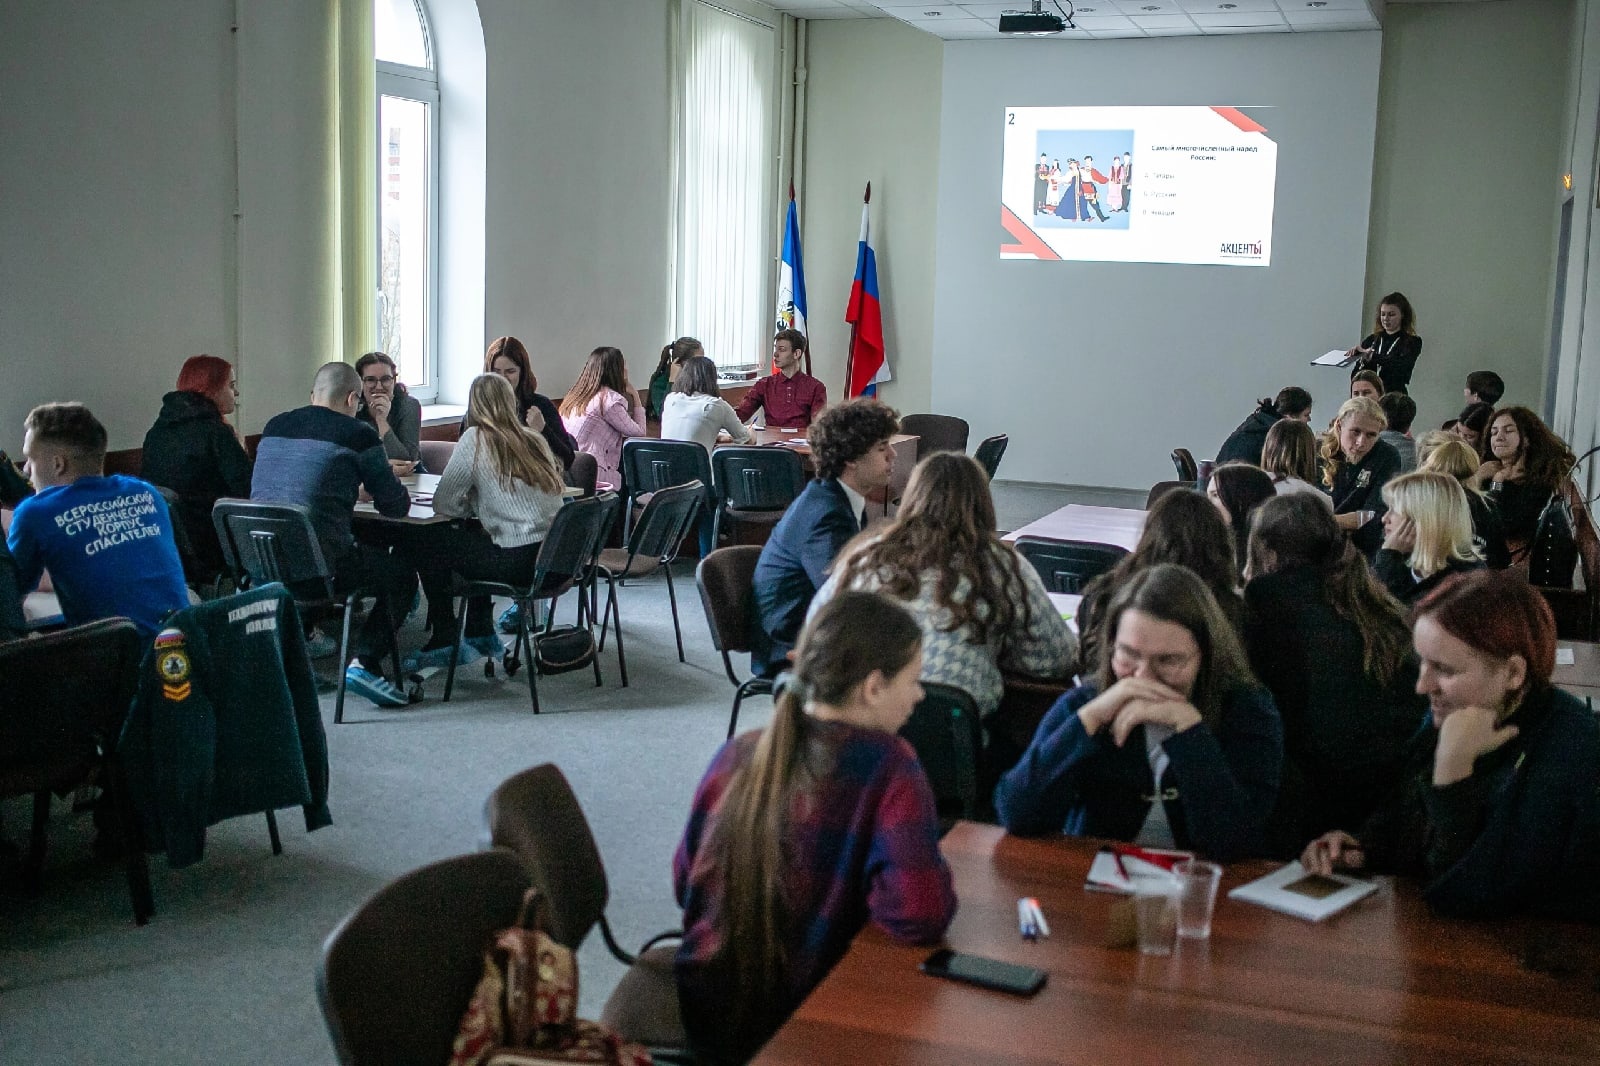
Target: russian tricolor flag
[{"x": 868, "y": 363}]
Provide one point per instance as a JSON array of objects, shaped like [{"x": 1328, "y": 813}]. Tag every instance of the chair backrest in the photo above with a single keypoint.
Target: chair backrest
[
  {"x": 128, "y": 461},
  {"x": 989, "y": 452},
  {"x": 436, "y": 454},
  {"x": 757, "y": 479},
  {"x": 63, "y": 702},
  {"x": 1184, "y": 462},
  {"x": 569, "y": 547},
  {"x": 945, "y": 732},
  {"x": 1161, "y": 488},
  {"x": 584, "y": 472},
  {"x": 667, "y": 519},
  {"x": 649, "y": 465},
  {"x": 267, "y": 542},
  {"x": 398, "y": 973},
  {"x": 193, "y": 568},
  {"x": 726, "y": 579},
  {"x": 535, "y": 815},
  {"x": 1068, "y": 565},
  {"x": 936, "y": 433}
]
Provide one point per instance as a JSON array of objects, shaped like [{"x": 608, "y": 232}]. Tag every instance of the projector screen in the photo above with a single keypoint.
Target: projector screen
[{"x": 1138, "y": 185}]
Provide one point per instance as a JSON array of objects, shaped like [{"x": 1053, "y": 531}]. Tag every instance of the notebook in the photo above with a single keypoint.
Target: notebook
[
  {"x": 1291, "y": 890},
  {"x": 1106, "y": 876}
]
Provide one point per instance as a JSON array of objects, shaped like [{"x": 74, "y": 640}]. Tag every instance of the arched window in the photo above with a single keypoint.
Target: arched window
[{"x": 408, "y": 192}]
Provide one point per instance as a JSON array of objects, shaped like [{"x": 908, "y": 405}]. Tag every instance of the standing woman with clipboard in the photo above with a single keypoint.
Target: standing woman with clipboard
[{"x": 1391, "y": 349}]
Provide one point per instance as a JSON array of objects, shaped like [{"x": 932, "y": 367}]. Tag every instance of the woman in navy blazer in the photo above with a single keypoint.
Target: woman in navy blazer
[{"x": 1172, "y": 744}]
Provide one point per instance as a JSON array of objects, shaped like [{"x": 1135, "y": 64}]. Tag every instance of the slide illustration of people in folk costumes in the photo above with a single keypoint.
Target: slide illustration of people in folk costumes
[{"x": 1074, "y": 188}]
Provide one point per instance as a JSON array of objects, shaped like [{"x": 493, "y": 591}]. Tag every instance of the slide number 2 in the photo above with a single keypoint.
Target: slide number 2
[{"x": 1011, "y": 118}]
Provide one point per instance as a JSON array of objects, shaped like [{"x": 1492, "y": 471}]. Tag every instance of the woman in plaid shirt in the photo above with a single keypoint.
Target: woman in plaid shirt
[{"x": 802, "y": 833}]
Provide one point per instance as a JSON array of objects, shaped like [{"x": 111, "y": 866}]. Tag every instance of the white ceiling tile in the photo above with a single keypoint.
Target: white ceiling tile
[
  {"x": 1108, "y": 35},
  {"x": 1098, "y": 23},
  {"x": 1342, "y": 17},
  {"x": 1196, "y": 7},
  {"x": 1216, "y": 31},
  {"x": 1225, "y": 19},
  {"x": 990, "y": 11},
  {"x": 1100, "y": 9},
  {"x": 1145, "y": 8},
  {"x": 1163, "y": 22},
  {"x": 1325, "y": 5},
  {"x": 1172, "y": 31}
]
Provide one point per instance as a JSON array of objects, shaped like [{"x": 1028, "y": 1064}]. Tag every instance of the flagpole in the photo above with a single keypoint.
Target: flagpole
[
  {"x": 850, "y": 358},
  {"x": 797, "y": 222}
]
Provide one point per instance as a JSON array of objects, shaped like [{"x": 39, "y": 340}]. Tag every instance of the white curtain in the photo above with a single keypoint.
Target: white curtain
[{"x": 725, "y": 144}]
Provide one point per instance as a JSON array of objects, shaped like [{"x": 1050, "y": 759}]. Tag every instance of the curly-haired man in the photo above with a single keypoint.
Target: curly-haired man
[{"x": 851, "y": 450}]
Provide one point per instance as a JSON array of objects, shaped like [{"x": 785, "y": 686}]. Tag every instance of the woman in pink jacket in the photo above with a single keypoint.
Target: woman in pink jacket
[{"x": 602, "y": 409}]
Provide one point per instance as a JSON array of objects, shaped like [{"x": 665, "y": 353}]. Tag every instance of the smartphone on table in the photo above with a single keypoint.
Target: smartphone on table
[{"x": 985, "y": 973}]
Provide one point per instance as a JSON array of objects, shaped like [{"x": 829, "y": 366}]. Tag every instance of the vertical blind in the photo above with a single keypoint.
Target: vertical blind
[{"x": 726, "y": 76}]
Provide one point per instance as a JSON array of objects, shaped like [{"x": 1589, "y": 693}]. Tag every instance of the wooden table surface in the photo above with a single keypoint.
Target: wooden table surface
[
  {"x": 1383, "y": 982},
  {"x": 421, "y": 513},
  {"x": 905, "y": 457},
  {"x": 1076, "y": 521}
]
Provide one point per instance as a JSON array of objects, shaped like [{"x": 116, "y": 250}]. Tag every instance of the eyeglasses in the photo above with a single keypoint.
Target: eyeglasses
[
  {"x": 385, "y": 381},
  {"x": 1129, "y": 660}
]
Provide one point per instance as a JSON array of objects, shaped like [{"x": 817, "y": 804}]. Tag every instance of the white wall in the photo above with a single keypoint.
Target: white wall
[
  {"x": 578, "y": 186},
  {"x": 1097, "y": 370},
  {"x": 115, "y": 222},
  {"x": 1467, "y": 188},
  {"x": 872, "y": 114}
]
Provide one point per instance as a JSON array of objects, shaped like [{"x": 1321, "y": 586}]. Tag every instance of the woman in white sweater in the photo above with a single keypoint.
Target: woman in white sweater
[
  {"x": 504, "y": 475},
  {"x": 695, "y": 409}
]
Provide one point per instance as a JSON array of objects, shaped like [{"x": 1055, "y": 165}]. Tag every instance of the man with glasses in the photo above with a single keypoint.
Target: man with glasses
[{"x": 387, "y": 407}]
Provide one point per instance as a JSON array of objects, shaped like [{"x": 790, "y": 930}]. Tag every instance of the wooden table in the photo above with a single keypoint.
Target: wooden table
[
  {"x": 1582, "y": 678},
  {"x": 1121, "y": 526},
  {"x": 1384, "y": 982},
  {"x": 421, "y": 487},
  {"x": 905, "y": 456}
]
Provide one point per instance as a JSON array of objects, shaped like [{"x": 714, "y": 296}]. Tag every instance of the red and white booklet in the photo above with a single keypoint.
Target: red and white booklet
[{"x": 1116, "y": 865}]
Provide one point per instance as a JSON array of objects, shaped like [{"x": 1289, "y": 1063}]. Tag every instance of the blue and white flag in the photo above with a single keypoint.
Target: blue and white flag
[{"x": 792, "y": 277}]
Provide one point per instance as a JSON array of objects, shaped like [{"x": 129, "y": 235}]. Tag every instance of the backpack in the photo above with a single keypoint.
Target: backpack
[{"x": 523, "y": 1012}]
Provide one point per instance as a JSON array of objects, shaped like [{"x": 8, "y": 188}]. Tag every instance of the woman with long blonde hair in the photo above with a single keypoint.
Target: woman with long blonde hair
[
  {"x": 602, "y": 409},
  {"x": 1355, "y": 467},
  {"x": 1427, "y": 535},
  {"x": 1459, "y": 460},
  {"x": 982, "y": 609},
  {"x": 802, "y": 833},
  {"x": 502, "y": 474}
]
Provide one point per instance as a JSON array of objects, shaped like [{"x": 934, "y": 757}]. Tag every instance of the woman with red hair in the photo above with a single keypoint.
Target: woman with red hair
[
  {"x": 1499, "y": 811},
  {"x": 193, "y": 451}
]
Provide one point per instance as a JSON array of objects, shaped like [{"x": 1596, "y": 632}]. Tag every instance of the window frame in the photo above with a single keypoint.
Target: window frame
[{"x": 421, "y": 84}]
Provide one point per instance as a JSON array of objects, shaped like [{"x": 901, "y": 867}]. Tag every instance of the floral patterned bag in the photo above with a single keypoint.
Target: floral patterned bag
[{"x": 523, "y": 1012}]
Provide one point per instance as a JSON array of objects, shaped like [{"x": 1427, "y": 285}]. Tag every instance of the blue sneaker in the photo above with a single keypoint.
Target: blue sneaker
[
  {"x": 439, "y": 658},
  {"x": 489, "y": 647},
  {"x": 510, "y": 619},
  {"x": 377, "y": 689}
]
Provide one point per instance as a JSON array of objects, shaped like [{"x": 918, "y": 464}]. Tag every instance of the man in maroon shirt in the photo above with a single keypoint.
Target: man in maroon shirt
[{"x": 791, "y": 397}]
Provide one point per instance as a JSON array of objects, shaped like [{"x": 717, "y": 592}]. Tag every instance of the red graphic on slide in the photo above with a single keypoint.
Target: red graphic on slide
[
  {"x": 1028, "y": 242},
  {"x": 1240, "y": 119}
]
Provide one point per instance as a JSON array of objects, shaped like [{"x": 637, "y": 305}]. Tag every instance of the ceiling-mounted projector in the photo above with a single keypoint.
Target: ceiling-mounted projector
[{"x": 1037, "y": 22}]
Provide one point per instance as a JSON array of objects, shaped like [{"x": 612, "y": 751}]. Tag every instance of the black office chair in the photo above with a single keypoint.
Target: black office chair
[
  {"x": 755, "y": 484},
  {"x": 397, "y": 974},
  {"x": 1161, "y": 488},
  {"x": 267, "y": 542},
  {"x": 1068, "y": 565},
  {"x": 1183, "y": 462},
  {"x": 936, "y": 433},
  {"x": 649, "y": 465},
  {"x": 989, "y": 453},
  {"x": 565, "y": 557},
  {"x": 945, "y": 732},
  {"x": 726, "y": 582},
  {"x": 62, "y": 708},
  {"x": 667, "y": 519}
]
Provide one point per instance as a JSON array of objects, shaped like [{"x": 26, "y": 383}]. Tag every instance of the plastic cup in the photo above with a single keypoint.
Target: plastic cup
[
  {"x": 1155, "y": 910},
  {"x": 1197, "y": 897}
]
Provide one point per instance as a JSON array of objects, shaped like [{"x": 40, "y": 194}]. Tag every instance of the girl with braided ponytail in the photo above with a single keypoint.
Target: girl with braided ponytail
[
  {"x": 1332, "y": 645},
  {"x": 803, "y": 832}
]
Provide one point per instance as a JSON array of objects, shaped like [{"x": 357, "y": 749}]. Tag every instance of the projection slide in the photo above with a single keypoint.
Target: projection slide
[{"x": 1138, "y": 185}]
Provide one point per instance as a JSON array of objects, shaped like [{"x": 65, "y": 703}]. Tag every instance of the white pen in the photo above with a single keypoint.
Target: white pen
[{"x": 1038, "y": 917}]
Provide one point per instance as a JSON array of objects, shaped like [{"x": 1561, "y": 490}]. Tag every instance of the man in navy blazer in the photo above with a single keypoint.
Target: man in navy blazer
[{"x": 851, "y": 450}]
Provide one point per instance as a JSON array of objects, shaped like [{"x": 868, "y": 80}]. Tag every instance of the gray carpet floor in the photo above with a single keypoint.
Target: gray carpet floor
[{"x": 224, "y": 972}]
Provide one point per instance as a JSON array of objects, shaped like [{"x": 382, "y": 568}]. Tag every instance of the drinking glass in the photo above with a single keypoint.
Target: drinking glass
[
  {"x": 1155, "y": 909},
  {"x": 1197, "y": 897}
]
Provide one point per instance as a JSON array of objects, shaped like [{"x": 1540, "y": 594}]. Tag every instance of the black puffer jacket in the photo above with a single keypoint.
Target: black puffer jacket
[{"x": 193, "y": 452}]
